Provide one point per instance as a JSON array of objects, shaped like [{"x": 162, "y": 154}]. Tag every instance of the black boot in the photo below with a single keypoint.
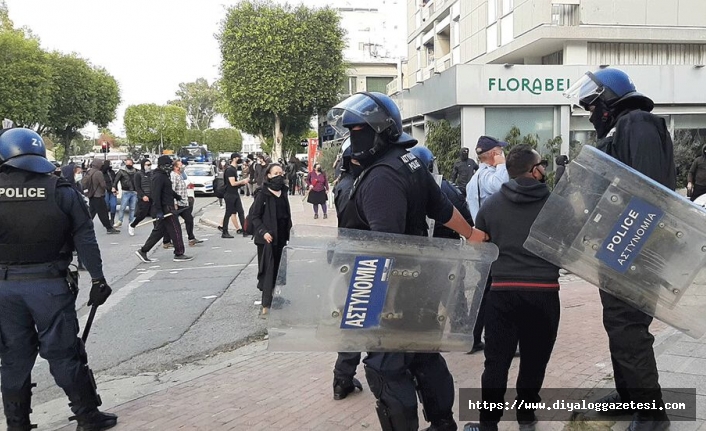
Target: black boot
[
  {"x": 644, "y": 421},
  {"x": 341, "y": 388},
  {"x": 448, "y": 424},
  {"x": 17, "y": 409},
  {"x": 96, "y": 420}
]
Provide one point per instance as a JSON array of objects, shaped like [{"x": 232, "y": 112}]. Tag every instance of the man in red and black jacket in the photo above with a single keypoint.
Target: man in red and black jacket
[{"x": 523, "y": 301}]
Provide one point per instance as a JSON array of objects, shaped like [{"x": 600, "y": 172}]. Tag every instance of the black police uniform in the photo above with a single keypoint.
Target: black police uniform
[
  {"x": 41, "y": 218},
  {"x": 394, "y": 195},
  {"x": 640, "y": 140},
  {"x": 347, "y": 362}
]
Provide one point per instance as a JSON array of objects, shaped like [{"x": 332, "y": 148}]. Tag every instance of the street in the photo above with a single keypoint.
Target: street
[{"x": 163, "y": 314}]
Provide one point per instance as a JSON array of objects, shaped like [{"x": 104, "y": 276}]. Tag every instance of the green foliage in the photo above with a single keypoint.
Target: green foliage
[
  {"x": 154, "y": 124},
  {"x": 26, "y": 85},
  {"x": 327, "y": 158},
  {"x": 279, "y": 65},
  {"x": 81, "y": 94},
  {"x": 444, "y": 141},
  {"x": 687, "y": 147},
  {"x": 5, "y": 21},
  {"x": 514, "y": 137},
  {"x": 223, "y": 140},
  {"x": 199, "y": 98}
]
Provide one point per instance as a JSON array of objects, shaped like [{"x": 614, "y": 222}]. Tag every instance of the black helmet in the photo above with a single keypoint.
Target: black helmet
[{"x": 24, "y": 149}]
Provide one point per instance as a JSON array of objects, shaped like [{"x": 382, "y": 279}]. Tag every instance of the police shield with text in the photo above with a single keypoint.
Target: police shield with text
[
  {"x": 622, "y": 229},
  {"x": 394, "y": 194},
  {"x": 42, "y": 219}
]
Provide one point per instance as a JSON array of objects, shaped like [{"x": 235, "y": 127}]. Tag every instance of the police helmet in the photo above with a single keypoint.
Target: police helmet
[
  {"x": 24, "y": 149},
  {"x": 346, "y": 155},
  {"x": 424, "y": 155},
  {"x": 374, "y": 109},
  {"x": 611, "y": 86}
]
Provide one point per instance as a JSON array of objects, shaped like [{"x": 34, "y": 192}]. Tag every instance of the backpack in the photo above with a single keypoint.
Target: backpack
[
  {"x": 247, "y": 224},
  {"x": 220, "y": 188}
]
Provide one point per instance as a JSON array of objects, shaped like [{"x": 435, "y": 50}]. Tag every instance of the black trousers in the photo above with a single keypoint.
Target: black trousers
[
  {"x": 188, "y": 216},
  {"x": 698, "y": 191},
  {"x": 530, "y": 318},
  {"x": 268, "y": 258},
  {"x": 630, "y": 342},
  {"x": 38, "y": 316},
  {"x": 480, "y": 319},
  {"x": 234, "y": 205},
  {"x": 346, "y": 365},
  {"x": 392, "y": 378},
  {"x": 98, "y": 206},
  {"x": 143, "y": 210},
  {"x": 169, "y": 225}
]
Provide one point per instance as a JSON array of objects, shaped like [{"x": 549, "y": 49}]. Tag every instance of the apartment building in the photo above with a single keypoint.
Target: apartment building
[{"x": 489, "y": 65}]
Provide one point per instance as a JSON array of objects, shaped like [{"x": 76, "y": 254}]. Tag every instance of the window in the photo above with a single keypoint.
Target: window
[
  {"x": 491, "y": 35},
  {"x": 349, "y": 85},
  {"x": 530, "y": 121},
  {"x": 430, "y": 54},
  {"x": 492, "y": 11},
  {"x": 455, "y": 33},
  {"x": 507, "y": 6},
  {"x": 378, "y": 84},
  {"x": 506, "y": 30}
]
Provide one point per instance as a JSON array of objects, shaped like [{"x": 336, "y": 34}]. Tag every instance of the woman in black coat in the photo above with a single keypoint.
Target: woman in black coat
[{"x": 271, "y": 219}]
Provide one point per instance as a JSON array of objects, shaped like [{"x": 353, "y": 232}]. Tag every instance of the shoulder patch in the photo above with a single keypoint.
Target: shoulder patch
[
  {"x": 411, "y": 161},
  {"x": 611, "y": 133}
]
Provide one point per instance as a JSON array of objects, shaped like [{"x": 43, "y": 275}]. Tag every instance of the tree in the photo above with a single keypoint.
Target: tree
[
  {"x": 444, "y": 141},
  {"x": 279, "y": 65},
  {"x": 687, "y": 147},
  {"x": 81, "y": 94},
  {"x": 223, "y": 140},
  {"x": 156, "y": 125},
  {"x": 25, "y": 79},
  {"x": 5, "y": 21},
  {"x": 200, "y": 100}
]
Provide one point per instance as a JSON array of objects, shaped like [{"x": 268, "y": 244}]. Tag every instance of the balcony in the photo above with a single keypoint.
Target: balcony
[
  {"x": 443, "y": 63},
  {"x": 393, "y": 87}
]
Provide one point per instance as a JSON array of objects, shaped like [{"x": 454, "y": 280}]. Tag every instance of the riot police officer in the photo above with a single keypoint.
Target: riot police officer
[
  {"x": 344, "y": 381},
  {"x": 394, "y": 194},
  {"x": 42, "y": 218},
  {"x": 628, "y": 132}
]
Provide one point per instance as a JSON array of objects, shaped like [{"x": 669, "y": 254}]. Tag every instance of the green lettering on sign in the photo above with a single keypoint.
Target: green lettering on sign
[{"x": 535, "y": 86}]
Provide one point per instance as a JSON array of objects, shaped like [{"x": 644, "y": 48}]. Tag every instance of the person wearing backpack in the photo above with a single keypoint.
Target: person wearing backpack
[
  {"x": 234, "y": 205},
  {"x": 271, "y": 220}
]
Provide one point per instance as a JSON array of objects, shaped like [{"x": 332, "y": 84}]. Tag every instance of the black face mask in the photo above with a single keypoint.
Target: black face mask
[
  {"x": 601, "y": 118},
  {"x": 362, "y": 141},
  {"x": 276, "y": 183},
  {"x": 355, "y": 170},
  {"x": 464, "y": 156}
]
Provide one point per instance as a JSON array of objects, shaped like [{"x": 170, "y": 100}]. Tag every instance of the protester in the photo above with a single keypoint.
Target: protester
[
  {"x": 182, "y": 207},
  {"x": 126, "y": 179},
  {"x": 271, "y": 221},
  {"x": 94, "y": 187},
  {"x": 234, "y": 205},
  {"x": 318, "y": 192},
  {"x": 143, "y": 180},
  {"x": 696, "y": 185},
  {"x": 463, "y": 170},
  {"x": 111, "y": 198}
]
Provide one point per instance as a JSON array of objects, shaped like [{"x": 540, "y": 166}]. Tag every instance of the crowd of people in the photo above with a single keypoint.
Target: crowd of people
[{"x": 385, "y": 185}]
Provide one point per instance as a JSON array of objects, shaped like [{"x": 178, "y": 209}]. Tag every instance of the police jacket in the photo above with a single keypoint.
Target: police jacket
[
  {"x": 342, "y": 193},
  {"x": 162, "y": 195},
  {"x": 42, "y": 218},
  {"x": 126, "y": 179},
  {"x": 395, "y": 195},
  {"x": 462, "y": 172},
  {"x": 641, "y": 140},
  {"x": 459, "y": 202}
]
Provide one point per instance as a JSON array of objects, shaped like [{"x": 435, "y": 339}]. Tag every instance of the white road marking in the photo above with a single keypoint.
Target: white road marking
[{"x": 210, "y": 297}]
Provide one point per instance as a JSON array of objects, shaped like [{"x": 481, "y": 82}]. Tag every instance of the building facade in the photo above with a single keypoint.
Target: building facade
[{"x": 491, "y": 65}]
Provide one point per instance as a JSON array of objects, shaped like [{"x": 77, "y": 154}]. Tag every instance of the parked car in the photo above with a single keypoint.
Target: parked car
[{"x": 201, "y": 176}]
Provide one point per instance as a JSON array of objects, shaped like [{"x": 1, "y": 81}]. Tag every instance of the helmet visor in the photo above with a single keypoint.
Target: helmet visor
[
  {"x": 355, "y": 110},
  {"x": 585, "y": 91}
]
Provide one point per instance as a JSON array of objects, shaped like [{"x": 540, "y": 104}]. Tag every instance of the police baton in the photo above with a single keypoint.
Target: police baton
[{"x": 89, "y": 323}]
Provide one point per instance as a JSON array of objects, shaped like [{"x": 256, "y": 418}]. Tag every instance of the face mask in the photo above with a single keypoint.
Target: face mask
[
  {"x": 464, "y": 156},
  {"x": 129, "y": 167},
  {"x": 318, "y": 169},
  {"x": 78, "y": 177},
  {"x": 355, "y": 170},
  {"x": 601, "y": 119},
  {"x": 57, "y": 173},
  {"x": 276, "y": 183},
  {"x": 361, "y": 142},
  {"x": 148, "y": 168}
]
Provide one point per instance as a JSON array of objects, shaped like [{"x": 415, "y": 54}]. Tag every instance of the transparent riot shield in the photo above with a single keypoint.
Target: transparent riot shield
[
  {"x": 629, "y": 235},
  {"x": 350, "y": 291}
]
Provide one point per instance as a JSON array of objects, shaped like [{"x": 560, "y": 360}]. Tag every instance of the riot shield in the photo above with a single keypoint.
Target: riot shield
[
  {"x": 349, "y": 291},
  {"x": 628, "y": 235}
]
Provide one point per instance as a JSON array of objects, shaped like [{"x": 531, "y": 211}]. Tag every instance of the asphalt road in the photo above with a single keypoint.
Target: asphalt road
[{"x": 164, "y": 314}]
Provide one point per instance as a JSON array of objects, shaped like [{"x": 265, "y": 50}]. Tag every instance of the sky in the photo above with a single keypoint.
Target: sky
[{"x": 149, "y": 46}]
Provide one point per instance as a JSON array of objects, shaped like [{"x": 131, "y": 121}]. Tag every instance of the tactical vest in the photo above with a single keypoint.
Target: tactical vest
[
  {"x": 33, "y": 229},
  {"x": 416, "y": 179}
]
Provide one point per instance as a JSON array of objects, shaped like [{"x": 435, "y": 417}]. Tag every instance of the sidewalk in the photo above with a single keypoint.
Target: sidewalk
[{"x": 253, "y": 389}]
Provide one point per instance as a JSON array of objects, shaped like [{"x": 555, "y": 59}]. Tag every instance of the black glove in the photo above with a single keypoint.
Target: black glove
[{"x": 100, "y": 291}]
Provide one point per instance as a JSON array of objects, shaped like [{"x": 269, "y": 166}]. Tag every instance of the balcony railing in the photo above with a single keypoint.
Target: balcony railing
[
  {"x": 443, "y": 63},
  {"x": 393, "y": 87}
]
